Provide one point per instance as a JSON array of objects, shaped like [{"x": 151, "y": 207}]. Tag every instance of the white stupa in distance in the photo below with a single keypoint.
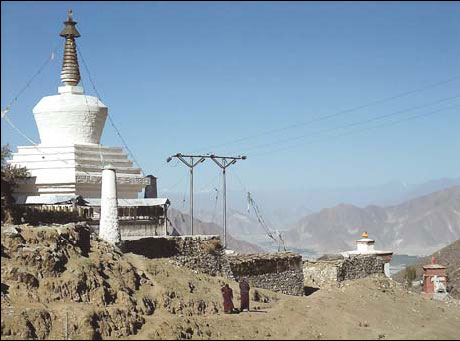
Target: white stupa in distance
[{"x": 69, "y": 158}]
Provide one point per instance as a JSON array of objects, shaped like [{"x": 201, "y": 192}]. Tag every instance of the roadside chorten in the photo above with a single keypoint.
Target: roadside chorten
[
  {"x": 69, "y": 158},
  {"x": 365, "y": 246}
]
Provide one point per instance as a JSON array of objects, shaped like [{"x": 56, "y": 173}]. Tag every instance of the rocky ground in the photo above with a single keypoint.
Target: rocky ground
[{"x": 59, "y": 281}]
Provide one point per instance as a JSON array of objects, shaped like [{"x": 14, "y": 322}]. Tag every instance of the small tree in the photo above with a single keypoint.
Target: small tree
[
  {"x": 10, "y": 175},
  {"x": 410, "y": 274}
]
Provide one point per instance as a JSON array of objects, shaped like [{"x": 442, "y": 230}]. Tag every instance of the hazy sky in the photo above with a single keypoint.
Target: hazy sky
[{"x": 196, "y": 77}]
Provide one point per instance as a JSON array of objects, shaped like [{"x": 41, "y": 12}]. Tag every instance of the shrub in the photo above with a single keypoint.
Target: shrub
[
  {"x": 410, "y": 274},
  {"x": 10, "y": 176}
]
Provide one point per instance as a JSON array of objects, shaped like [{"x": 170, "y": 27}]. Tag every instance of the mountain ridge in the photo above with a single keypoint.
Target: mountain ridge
[{"x": 418, "y": 226}]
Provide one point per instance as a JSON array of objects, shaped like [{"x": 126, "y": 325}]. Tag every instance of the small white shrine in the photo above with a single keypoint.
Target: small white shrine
[
  {"x": 69, "y": 158},
  {"x": 365, "y": 246}
]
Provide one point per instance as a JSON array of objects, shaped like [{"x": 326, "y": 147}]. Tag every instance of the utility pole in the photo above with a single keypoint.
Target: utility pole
[
  {"x": 191, "y": 164},
  {"x": 224, "y": 164}
]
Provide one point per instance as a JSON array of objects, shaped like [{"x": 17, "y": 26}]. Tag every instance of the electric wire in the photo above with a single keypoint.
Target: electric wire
[
  {"x": 89, "y": 113},
  {"x": 339, "y": 113},
  {"x": 5, "y": 112},
  {"x": 29, "y": 82},
  {"x": 319, "y": 132},
  {"x": 258, "y": 213},
  {"x": 386, "y": 124},
  {"x": 112, "y": 123}
]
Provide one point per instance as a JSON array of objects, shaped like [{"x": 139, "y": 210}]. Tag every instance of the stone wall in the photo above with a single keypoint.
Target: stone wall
[
  {"x": 360, "y": 267},
  {"x": 281, "y": 272},
  {"x": 199, "y": 253},
  {"x": 135, "y": 229},
  {"x": 321, "y": 273}
]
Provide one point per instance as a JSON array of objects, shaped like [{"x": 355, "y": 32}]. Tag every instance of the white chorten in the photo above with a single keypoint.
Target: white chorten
[
  {"x": 365, "y": 246},
  {"x": 69, "y": 158}
]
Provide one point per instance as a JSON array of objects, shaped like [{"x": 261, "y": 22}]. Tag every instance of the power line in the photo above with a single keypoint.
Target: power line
[
  {"x": 89, "y": 113},
  {"x": 112, "y": 123},
  {"x": 214, "y": 211},
  {"x": 358, "y": 131},
  {"x": 214, "y": 192},
  {"x": 15, "y": 99},
  {"x": 35, "y": 145},
  {"x": 192, "y": 163},
  {"x": 222, "y": 162},
  {"x": 184, "y": 178},
  {"x": 352, "y": 124},
  {"x": 7, "y": 119},
  {"x": 211, "y": 182},
  {"x": 29, "y": 82},
  {"x": 341, "y": 112},
  {"x": 265, "y": 227}
]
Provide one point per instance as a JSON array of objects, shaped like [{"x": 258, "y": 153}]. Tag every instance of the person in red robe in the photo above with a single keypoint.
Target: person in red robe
[
  {"x": 244, "y": 293},
  {"x": 227, "y": 293}
]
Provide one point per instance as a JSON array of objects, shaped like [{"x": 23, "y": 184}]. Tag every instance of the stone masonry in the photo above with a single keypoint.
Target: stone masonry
[
  {"x": 325, "y": 272},
  {"x": 281, "y": 272},
  {"x": 203, "y": 254}
]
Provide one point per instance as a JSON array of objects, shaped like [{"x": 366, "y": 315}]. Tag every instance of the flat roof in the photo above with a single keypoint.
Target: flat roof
[
  {"x": 66, "y": 199},
  {"x": 434, "y": 266},
  {"x": 133, "y": 202}
]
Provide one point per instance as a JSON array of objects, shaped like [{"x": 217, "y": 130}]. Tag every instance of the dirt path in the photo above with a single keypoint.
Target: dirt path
[{"x": 372, "y": 308}]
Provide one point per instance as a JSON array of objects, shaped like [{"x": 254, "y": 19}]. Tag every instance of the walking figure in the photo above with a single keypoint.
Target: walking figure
[
  {"x": 244, "y": 293},
  {"x": 227, "y": 294}
]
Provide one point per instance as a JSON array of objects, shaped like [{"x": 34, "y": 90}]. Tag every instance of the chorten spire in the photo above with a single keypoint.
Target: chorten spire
[{"x": 70, "y": 73}]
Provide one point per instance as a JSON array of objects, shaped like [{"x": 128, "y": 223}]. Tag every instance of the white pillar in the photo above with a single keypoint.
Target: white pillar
[
  {"x": 109, "y": 229},
  {"x": 386, "y": 269}
]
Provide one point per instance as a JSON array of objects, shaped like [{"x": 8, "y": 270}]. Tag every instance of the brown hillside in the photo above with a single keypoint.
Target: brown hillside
[
  {"x": 58, "y": 278},
  {"x": 181, "y": 222},
  {"x": 449, "y": 257}
]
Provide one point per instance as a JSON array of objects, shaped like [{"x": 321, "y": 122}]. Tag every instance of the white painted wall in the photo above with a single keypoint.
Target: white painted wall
[
  {"x": 70, "y": 118},
  {"x": 365, "y": 246},
  {"x": 76, "y": 169},
  {"x": 70, "y": 157}
]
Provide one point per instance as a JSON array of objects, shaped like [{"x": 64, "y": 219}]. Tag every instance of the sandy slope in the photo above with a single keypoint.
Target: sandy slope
[
  {"x": 372, "y": 308},
  {"x": 46, "y": 273}
]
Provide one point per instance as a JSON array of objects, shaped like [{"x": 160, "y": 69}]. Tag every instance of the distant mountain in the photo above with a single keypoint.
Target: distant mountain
[
  {"x": 418, "y": 190},
  {"x": 417, "y": 227},
  {"x": 239, "y": 223},
  {"x": 181, "y": 222},
  {"x": 282, "y": 207},
  {"x": 449, "y": 257}
]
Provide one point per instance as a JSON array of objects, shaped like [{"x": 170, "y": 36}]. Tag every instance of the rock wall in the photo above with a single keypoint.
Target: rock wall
[
  {"x": 322, "y": 273},
  {"x": 281, "y": 272},
  {"x": 360, "y": 267},
  {"x": 199, "y": 253},
  {"x": 319, "y": 274}
]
